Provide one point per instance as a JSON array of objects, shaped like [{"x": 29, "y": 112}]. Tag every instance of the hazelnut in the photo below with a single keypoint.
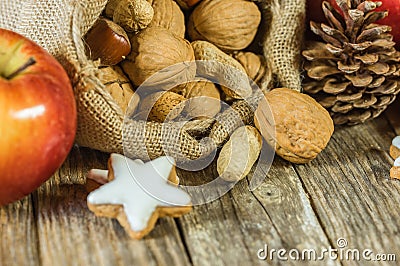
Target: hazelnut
[
  {"x": 187, "y": 4},
  {"x": 108, "y": 42}
]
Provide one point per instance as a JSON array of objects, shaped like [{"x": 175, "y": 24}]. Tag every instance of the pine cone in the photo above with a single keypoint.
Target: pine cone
[{"x": 355, "y": 72}]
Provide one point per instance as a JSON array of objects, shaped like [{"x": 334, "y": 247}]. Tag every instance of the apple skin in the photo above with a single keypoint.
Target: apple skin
[
  {"x": 315, "y": 13},
  {"x": 393, "y": 19},
  {"x": 37, "y": 120}
]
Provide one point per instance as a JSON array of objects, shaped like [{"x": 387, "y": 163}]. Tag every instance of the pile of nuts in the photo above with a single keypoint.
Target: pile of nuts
[{"x": 136, "y": 39}]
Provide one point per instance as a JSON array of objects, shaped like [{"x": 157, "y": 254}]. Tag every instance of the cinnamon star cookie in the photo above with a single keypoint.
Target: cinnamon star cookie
[{"x": 138, "y": 193}]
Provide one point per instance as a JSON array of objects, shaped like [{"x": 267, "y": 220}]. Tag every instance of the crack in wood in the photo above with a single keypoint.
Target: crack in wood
[{"x": 346, "y": 192}]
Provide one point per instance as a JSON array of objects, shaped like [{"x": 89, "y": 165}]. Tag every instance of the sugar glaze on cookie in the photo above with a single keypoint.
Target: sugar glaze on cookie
[
  {"x": 397, "y": 162},
  {"x": 141, "y": 188},
  {"x": 396, "y": 142}
]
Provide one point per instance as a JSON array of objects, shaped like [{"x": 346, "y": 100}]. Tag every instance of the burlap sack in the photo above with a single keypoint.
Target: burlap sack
[{"x": 58, "y": 26}]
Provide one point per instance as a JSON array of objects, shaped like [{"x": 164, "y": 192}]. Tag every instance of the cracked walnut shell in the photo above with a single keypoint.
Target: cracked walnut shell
[{"x": 302, "y": 126}]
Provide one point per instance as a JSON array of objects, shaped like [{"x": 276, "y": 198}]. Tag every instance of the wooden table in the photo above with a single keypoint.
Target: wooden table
[{"x": 345, "y": 193}]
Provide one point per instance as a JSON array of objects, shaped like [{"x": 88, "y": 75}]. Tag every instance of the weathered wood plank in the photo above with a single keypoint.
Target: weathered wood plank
[
  {"x": 393, "y": 115},
  {"x": 351, "y": 191},
  {"x": 210, "y": 231},
  {"x": 231, "y": 229},
  {"x": 347, "y": 194},
  {"x": 69, "y": 234},
  {"x": 18, "y": 243},
  {"x": 290, "y": 211}
]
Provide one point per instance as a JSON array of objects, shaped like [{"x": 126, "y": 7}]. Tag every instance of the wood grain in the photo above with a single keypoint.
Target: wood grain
[
  {"x": 393, "y": 115},
  {"x": 212, "y": 232},
  {"x": 286, "y": 202},
  {"x": 70, "y": 234},
  {"x": 231, "y": 229},
  {"x": 351, "y": 191},
  {"x": 18, "y": 234},
  {"x": 346, "y": 192}
]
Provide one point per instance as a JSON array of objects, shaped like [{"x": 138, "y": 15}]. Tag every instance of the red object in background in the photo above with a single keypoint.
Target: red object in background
[
  {"x": 315, "y": 13},
  {"x": 37, "y": 116}
]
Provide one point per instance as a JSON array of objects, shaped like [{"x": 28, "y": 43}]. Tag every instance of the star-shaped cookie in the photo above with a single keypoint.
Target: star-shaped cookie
[{"x": 138, "y": 193}]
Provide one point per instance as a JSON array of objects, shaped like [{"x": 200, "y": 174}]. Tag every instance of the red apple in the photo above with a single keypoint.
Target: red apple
[
  {"x": 315, "y": 13},
  {"x": 393, "y": 19},
  {"x": 37, "y": 116}
]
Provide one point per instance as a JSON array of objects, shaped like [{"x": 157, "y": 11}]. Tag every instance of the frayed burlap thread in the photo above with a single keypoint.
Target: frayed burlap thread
[{"x": 59, "y": 25}]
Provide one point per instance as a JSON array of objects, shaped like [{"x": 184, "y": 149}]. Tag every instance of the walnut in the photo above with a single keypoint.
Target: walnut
[
  {"x": 163, "y": 106},
  {"x": 119, "y": 87},
  {"x": 254, "y": 64},
  {"x": 155, "y": 49},
  {"x": 110, "y": 8},
  {"x": 228, "y": 24},
  {"x": 133, "y": 15},
  {"x": 168, "y": 15},
  {"x": 302, "y": 126},
  {"x": 203, "y": 98}
]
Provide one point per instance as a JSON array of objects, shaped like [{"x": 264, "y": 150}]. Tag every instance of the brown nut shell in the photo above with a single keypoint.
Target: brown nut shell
[
  {"x": 217, "y": 65},
  {"x": 303, "y": 127},
  {"x": 155, "y": 49},
  {"x": 163, "y": 106},
  {"x": 168, "y": 15},
  {"x": 110, "y": 8},
  {"x": 133, "y": 15},
  {"x": 203, "y": 98},
  {"x": 253, "y": 64},
  {"x": 395, "y": 172},
  {"x": 102, "y": 40},
  {"x": 119, "y": 87},
  {"x": 228, "y": 24}
]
